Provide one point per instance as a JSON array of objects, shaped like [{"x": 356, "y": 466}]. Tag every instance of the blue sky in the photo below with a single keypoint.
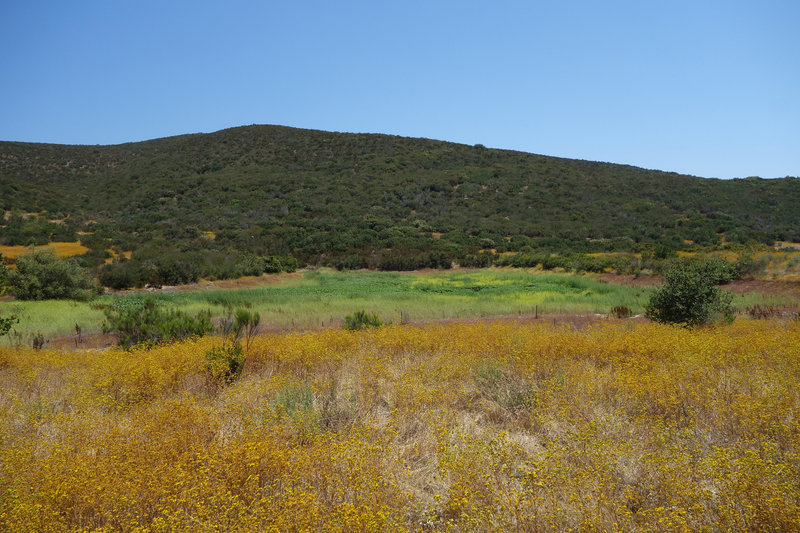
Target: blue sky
[{"x": 709, "y": 88}]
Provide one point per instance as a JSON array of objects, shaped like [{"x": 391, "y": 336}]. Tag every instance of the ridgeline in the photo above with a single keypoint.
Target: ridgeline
[{"x": 363, "y": 200}]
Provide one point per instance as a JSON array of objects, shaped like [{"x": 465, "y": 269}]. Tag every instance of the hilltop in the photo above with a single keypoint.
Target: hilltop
[{"x": 355, "y": 200}]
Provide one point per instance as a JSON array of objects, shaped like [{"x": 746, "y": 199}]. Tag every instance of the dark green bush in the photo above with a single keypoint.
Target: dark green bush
[
  {"x": 41, "y": 275},
  {"x": 689, "y": 296},
  {"x": 272, "y": 265},
  {"x": 6, "y": 323},
  {"x": 479, "y": 260},
  {"x": 3, "y": 276},
  {"x": 239, "y": 323},
  {"x": 145, "y": 322},
  {"x": 289, "y": 263},
  {"x": 349, "y": 262},
  {"x": 123, "y": 275},
  {"x": 250, "y": 265}
]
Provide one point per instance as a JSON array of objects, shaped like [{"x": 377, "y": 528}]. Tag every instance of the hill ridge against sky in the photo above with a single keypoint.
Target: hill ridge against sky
[{"x": 327, "y": 197}]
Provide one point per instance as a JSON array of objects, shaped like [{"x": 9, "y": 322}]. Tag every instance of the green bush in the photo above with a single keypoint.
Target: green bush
[
  {"x": 289, "y": 263},
  {"x": 123, "y": 275},
  {"x": 718, "y": 270},
  {"x": 144, "y": 322},
  {"x": 3, "y": 276},
  {"x": 689, "y": 296},
  {"x": 41, "y": 275},
  {"x": 272, "y": 265},
  {"x": 226, "y": 362},
  {"x": 748, "y": 266},
  {"x": 6, "y": 323},
  {"x": 362, "y": 320}
]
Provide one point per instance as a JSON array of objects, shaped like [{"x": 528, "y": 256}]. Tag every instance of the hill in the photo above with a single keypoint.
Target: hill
[{"x": 354, "y": 200}]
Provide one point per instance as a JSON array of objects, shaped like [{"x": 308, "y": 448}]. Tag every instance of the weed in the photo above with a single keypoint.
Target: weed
[
  {"x": 38, "y": 341},
  {"x": 362, "y": 320},
  {"x": 511, "y": 392},
  {"x": 225, "y": 362},
  {"x": 620, "y": 311}
]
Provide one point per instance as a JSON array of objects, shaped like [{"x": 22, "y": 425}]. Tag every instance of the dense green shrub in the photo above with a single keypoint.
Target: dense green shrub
[
  {"x": 401, "y": 260},
  {"x": 3, "y": 276},
  {"x": 479, "y": 260},
  {"x": 250, "y": 265},
  {"x": 176, "y": 267},
  {"x": 41, "y": 275},
  {"x": 289, "y": 263},
  {"x": 689, "y": 296},
  {"x": 349, "y": 262},
  {"x": 145, "y": 322},
  {"x": 718, "y": 271},
  {"x": 272, "y": 265},
  {"x": 748, "y": 266},
  {"x": 123, "y": 275},
  {"x": 6, "y": 323}
]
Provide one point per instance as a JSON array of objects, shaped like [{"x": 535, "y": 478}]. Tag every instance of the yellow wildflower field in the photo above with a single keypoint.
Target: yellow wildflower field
[
  {"x": 485, "y": 426},
  {"x": 62, "y": 249}
]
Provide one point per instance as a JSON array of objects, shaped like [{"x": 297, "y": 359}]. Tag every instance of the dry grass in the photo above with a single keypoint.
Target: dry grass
[{"x": 462, "y": 427}]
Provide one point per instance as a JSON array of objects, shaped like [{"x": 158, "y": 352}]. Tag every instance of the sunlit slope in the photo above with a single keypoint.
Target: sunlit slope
[{"x": 321, "y": 195}]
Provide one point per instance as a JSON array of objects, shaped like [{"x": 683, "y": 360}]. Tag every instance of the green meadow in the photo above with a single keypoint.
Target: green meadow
[{"x": 324, "y": 297}]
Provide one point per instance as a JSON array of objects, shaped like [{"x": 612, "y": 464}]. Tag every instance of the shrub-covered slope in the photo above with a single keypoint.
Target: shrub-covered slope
[{"x": 354, "y": 199}]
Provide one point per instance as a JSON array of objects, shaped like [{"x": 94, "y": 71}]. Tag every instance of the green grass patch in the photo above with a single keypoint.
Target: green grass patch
[{"x": 324, "y": 297}]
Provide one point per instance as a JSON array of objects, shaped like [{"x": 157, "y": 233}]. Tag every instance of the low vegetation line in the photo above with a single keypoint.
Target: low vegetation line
[{"x": 321, "y": 298}]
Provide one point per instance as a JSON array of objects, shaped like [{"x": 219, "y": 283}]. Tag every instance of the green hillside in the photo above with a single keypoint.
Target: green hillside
[{"x": 353, "y": 200}]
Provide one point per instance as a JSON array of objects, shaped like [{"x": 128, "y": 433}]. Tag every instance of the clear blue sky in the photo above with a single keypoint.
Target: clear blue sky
[{"x": 710, "y": 88}]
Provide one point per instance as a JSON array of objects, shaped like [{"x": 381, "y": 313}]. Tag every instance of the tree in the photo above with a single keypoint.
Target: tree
[
  {"x": 41, "y": 275},
  {"x": 689, "y": 296}
]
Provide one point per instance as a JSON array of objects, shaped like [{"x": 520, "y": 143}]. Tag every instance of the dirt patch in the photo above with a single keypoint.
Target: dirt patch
[
  {"x": 739, "y": 286},
  {"x": 631, "y": 279}
]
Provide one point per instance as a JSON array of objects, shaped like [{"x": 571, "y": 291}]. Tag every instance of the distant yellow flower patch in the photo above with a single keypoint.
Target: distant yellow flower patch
[{"x": 62, "y": 249}]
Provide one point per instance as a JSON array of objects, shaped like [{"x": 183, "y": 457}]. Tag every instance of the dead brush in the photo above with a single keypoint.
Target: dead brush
[
  {"x": 763, "y": 312},
  {"x": 620, "y": 311}
]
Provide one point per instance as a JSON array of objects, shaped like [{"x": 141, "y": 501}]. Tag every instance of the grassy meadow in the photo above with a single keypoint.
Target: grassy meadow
[
  {"x": 499, "y": 426},
  {"x": 324, "y": 297}
]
